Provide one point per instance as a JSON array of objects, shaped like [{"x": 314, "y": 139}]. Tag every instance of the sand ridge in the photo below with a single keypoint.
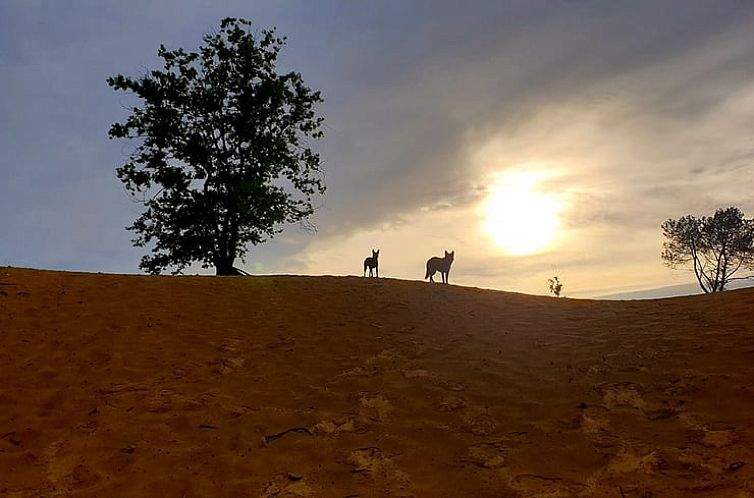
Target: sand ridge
[{"x": 344, "y": 386}]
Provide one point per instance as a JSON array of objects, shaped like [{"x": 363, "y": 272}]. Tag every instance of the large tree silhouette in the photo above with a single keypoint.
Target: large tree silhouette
[
  {"x": 716, "y": 247},
  {"x": 221, "y": 155}
]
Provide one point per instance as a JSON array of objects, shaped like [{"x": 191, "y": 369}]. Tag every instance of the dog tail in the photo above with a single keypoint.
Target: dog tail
[{"x": 426, "y": 276}]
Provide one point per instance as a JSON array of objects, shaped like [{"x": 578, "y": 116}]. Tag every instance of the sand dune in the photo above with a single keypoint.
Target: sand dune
[{"x": 353, "y": 387}]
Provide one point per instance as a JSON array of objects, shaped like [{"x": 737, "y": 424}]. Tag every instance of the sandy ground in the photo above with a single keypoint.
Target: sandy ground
[{"x": 354, "y": 387}]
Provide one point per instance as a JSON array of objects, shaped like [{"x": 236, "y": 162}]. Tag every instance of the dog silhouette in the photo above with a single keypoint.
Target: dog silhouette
[
  {"x": 442, "y": 265},
  {"x": 372, "y": 264}
]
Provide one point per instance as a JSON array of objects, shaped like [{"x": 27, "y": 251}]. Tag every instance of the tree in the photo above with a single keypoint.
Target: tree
[
  {"x": 716, "y": 247},
  {"x": 556, "y": 286},
  {"x": 221, "y": 158}
]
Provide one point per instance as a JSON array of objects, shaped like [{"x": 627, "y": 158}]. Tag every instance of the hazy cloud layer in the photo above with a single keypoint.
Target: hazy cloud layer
[{"x": 640, "y": 110}]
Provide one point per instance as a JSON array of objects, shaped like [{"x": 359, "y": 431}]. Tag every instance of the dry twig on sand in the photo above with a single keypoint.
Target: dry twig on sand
[{"x": 268, "y": 439}]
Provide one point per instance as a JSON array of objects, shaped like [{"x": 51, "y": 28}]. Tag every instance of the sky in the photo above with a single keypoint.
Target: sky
[{"x": 530, "y": 137}]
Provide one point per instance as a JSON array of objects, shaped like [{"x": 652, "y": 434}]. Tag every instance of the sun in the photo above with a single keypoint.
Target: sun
[{"x": 520, "y": 218}]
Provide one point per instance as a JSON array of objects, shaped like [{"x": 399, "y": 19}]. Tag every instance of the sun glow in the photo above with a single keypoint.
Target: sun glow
[{"x": 520, "y": 218}]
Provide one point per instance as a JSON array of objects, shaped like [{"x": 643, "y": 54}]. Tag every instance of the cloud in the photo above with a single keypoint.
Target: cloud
[
  {"x": 642, "y": 108},
  {"x": 422, "y": 125},
  {"x": 625, "y": 126}
]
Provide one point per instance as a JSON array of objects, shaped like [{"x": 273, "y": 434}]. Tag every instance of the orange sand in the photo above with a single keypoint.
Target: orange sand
[{"x": 185, "y": 387}]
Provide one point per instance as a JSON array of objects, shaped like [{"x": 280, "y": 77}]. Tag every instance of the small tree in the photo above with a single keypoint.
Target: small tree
[
  {"x": 556, "y": 286},
  {"x": 221, "y": 159},
  {"x": 716, "y": 247}
]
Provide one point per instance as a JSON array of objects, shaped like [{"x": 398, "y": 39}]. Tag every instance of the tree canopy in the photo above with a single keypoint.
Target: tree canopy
[
  {"x": 555, "y": 285},
  {"x": 716, "y": 247},
  {"x": 222, "y": 156}
]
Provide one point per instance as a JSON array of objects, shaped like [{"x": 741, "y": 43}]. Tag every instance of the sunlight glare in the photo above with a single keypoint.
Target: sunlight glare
[{"x": 520, "y": 218}]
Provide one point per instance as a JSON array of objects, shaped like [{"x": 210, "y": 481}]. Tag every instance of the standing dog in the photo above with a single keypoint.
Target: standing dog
[
  {"x": 439, "y": 264},
  {"x": 371, "y": 263}
]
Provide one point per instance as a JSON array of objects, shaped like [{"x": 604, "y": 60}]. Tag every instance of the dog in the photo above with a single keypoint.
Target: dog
[
  {"x": 442, "y": 265},
  {"x": 372, "y": 264}
]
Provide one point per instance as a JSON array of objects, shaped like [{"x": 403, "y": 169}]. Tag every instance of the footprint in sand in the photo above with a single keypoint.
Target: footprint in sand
[
  {"x": 57, "y": 466},
  {"x": 542, "y": 486},
  {"x": 451, "y": 403},
  {"x": 164, "y": 401},
  {"x": 684, "y": 386},
  {"x": 384, "y": 360},
  {"x": 82, "y": 477},
  {"x": 369, "y": 371},
  {"x": 719, "y": 439},
  {"x": 628, "y": 462},
  {"x": 627, "y": 466},
  {"x": 284, "y": 486},
  {"x": 622, "y": 395},
  {"x": 374, "y": 406},
  {"x": 714, "y": 435},
  {"x": 594, "y": 425},
  {"x": 694, "y": 468},
  {"x": 709, "y": 434},
  {"x": 476, "y": 421},
  {"x": 65, "y": 470},
  {"x": 373, "y": 462},
  {"x": 388, "y": 355},
  {"x": 416, "y": 373},
  {"x": 335, "y": 426},
  {"x": 598, "y": 431},
  {"x": 230, "y": 345},
  {"x": 487, "y": 455},
  {"x": 229, "y": 364},
  {"x": 628, "y": 395},
  {"x": 452, "y": 385}
]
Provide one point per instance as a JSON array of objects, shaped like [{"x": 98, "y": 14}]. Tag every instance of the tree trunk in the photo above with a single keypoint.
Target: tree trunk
[{"x": 226, "y": 268}]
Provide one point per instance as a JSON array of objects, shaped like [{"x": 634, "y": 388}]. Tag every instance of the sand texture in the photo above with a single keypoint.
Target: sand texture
[{"x": 354, "y": 387}]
